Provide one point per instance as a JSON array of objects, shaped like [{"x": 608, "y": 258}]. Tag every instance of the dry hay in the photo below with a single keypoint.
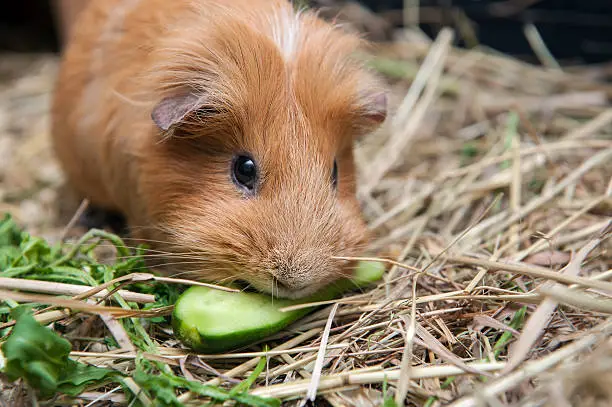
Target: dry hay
[{"x": 490, "y": 193}]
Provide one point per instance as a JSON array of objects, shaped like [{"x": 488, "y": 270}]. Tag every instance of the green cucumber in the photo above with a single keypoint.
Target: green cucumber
[{"x": 211, "y": 321}]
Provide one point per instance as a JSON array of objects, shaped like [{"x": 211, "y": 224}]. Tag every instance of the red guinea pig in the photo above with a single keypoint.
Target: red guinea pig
[{"x": 223, "y": 131}]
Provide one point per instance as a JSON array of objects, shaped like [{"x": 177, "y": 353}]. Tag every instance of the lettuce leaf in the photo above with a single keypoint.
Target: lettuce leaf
[{"x": 41, "y": 357}]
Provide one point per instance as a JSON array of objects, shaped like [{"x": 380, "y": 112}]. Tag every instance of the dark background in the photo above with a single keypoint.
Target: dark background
[{"x": 575, "y": 31}]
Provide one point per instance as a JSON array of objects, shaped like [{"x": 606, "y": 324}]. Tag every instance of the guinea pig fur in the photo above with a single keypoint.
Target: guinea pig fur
[{"x": 223, "y": 131}]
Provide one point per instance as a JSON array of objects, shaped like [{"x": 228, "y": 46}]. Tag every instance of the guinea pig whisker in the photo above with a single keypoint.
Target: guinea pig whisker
[
  {"x": 242, "y": 284},
  {"x": 355, "y": 285},
  {"x": 198, "y": 276},
  {"x": 163, "y": 242},
  {"x": 189, "y": 256},
  {"x": 147, "y": 240},
  {"x": 246, "y": 288},
  {"x": 175, "y": 256},
  {"x": 227, "y": 280},
  {"x": 185, "y": 274},
  {"x": 107, "y": 245},
  {"x": 201, "y": 271},
  {"x": 104, "y": 245},
  {"x": 196, "y": 273},
  {"x": 162, "y": 255},
  {"x": 174, "y": 263},
  {"x": 205, "y": 265}
]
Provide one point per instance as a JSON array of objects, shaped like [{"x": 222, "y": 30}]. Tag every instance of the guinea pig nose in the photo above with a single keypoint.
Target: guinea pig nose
[
  {"x": 290, "y": 283},
  {"x": 291, "y": 277}
]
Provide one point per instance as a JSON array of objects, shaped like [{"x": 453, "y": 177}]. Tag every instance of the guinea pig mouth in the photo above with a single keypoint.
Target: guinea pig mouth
[
  {"x": 244, "y": 285},
  {"x": 278, "y": 290},
  {"x": 274, "y": 289}
]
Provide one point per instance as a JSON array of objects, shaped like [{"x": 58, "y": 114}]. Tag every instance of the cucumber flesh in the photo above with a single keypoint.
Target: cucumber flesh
[{"x": 211, "y": 321}]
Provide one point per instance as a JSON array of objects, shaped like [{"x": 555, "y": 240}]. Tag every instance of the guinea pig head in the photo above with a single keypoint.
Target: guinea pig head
[{"x": 251, "y": 175}]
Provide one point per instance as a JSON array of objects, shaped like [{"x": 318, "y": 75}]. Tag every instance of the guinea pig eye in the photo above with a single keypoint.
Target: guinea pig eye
[
  {"x": 334, "y": 176},
  {"x": 244, "y": 172}
]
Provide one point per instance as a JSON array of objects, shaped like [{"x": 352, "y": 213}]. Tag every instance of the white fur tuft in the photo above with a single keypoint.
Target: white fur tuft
[{"x": 286, "y": 25}]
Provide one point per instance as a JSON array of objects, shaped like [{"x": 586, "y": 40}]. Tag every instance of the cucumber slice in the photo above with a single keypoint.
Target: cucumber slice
[{"x": 211, "y": 321}]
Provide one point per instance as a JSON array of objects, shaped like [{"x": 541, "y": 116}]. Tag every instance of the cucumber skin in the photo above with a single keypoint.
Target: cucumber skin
[
  {"x": 202, "y": 342},
  {"x": 228, "y": 333}
]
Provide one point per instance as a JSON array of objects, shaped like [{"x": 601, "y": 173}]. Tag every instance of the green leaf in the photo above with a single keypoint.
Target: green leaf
[
  {"x": 40, "y": 357},
  {"x": 469, "y": 150},
  {"x": 246, "y": 384},
  {"x": 10, "y": 235},
  {"x": 517, "y": 322},
  {"x": 162, "y": 386},
  {"x": 389, "y": 402},
  {"x": 511, "y": 132},
  {"x": 388, "y": 399},
  {"x": 430, "y": 401}
]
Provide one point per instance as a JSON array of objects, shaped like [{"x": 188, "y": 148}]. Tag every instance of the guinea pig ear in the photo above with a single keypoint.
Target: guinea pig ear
[
  {"x": 172, "y": 109},
  {"x": 375, "y": 107}
]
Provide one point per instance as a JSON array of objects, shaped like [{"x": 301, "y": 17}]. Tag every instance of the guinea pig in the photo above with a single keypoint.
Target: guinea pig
[{"x": 223, "y": 130}]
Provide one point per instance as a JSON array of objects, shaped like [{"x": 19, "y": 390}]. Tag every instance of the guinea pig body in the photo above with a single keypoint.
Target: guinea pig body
[{"x": 223, "y": 131}]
